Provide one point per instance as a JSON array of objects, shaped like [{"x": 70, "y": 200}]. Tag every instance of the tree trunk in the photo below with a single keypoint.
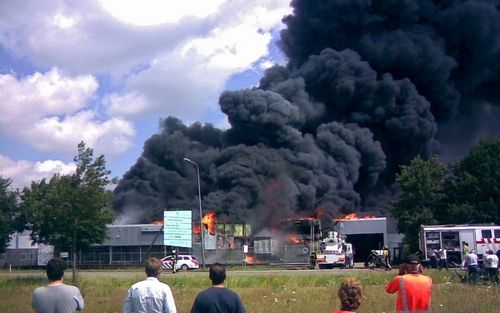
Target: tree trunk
[{"x": 73, "y": 248}]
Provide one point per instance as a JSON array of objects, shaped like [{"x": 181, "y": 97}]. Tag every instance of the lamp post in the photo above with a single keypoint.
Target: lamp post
[{"x": 201, "y": 213}]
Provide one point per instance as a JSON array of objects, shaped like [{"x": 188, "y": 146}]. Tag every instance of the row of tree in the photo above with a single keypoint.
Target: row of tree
[
  {"x": 467, "y": 191},
  {"x": 69, "y": 212}
]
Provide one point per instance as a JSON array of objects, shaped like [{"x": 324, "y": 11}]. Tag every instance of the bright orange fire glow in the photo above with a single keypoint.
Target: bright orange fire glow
[
  {"x": 354, "y": 216},
  {"x": 294, "y": 239},
  {"x": 157, "y": 222},
  {"x": 196, "y": 229},
  {"x": 209, "y": 220},
  {"x": 252, "y": 260}
]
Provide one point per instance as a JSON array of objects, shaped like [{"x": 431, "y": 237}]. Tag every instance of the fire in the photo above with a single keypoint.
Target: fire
[
  {"x": 209, "y": 220},
  {"x": 157, "y": 222},
  {"x": 250, "y": 259},
  {"x": 196, "y": 229},
  {"x": 294, "y": 239},
  {"x": 354, "y": 216}
]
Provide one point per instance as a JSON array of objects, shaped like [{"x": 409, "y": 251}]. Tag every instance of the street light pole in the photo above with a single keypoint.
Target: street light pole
[{"x": 201, "y": 213}]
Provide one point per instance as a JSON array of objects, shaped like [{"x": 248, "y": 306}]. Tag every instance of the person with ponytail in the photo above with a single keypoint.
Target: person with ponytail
[{"x": 349, "y": 293}]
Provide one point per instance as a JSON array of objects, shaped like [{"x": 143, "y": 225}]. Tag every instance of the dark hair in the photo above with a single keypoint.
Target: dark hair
[
  {"x": 217, "y": 273},
  {"x": 55, "y": 269},
  {"x": 412, "y": 259},
  {"x": 350, "y": 294},
  {"x": 153, "y": 267}
]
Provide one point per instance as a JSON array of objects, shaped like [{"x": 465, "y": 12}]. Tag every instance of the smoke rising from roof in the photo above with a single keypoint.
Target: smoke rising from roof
[{"x": 368, "y": 86}]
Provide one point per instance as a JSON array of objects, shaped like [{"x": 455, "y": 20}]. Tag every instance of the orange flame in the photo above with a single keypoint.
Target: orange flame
[
  {"x": 250, "y": 259},
  {"x": 196, "y": 229},
  {"x": 354, "y": 216},
  {"x": 157, "y": 222},
  {"x": 294, "y": 239},
  {"x": 209, "y": 220}
]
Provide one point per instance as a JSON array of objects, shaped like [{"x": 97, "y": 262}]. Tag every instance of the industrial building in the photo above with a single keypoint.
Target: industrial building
[{"x": 130, "y": 245}]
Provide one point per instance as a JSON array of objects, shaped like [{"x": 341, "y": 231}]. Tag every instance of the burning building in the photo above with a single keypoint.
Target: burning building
[{"x": 367, "y": 87}]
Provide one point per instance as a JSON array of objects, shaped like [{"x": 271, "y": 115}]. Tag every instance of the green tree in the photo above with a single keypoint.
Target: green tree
[
  {"x": 8, "y": 211},
  {"x": 474, "y": 192},
  {"x": 70, "y": 211},
  {"x": 422, "y": 184}
]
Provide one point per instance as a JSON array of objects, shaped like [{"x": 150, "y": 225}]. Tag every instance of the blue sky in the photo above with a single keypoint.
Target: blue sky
[{"x": 106, "y": 71}]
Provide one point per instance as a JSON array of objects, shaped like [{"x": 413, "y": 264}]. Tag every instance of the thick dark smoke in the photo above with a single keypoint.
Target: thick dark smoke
[{"x": 368, "y": 86}]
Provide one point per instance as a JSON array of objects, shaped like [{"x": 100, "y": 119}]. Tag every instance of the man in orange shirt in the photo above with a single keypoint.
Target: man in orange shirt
[{"x": 414, "y": 289}]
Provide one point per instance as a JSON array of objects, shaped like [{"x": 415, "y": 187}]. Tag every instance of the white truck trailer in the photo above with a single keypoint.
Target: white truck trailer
[{"x": 480, "y": 238}]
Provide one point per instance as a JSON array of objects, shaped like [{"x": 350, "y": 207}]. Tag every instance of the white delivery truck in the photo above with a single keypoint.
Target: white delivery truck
[{"x": 480, "y": 238}]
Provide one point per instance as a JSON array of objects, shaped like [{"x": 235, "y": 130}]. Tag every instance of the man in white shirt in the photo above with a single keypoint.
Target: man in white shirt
[
  {"x": 491, "y": 266},
  {"x": 472, "y": 266},
  {"x": 150, "y": 295},
  {"x": 443, "y": 258}
]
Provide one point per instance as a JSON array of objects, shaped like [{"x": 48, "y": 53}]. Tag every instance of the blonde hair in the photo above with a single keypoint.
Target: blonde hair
[{"x": 350, "y": 294}]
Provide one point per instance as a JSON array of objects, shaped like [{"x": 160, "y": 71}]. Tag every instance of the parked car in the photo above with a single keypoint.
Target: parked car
[{"x": 184, "y": 262}]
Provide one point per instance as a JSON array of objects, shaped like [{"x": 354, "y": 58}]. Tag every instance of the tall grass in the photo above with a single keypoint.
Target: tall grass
[{"x": 261, "y": 292}]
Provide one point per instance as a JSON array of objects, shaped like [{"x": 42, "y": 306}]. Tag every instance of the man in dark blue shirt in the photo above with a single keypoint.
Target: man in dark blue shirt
[{"x": 217, "y": 299}]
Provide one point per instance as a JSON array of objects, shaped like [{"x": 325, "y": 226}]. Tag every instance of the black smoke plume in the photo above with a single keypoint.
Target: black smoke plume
[{"x": 368, "y": 86}]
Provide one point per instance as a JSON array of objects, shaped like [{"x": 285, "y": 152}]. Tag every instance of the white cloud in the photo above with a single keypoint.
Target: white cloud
[
  {"x": 37, "y": 95},
  {"x": 99, "y": 68},
  {"x": 128, "y": 104},
  {"x": 55, "y": 134},
  {"x": 49, "y": 111},
  {"x": 82, "y": 37},
  {"x": 22, "y": 172},
  {"x": 187, "y": 81},
  {"x": 153, "y": 12}
]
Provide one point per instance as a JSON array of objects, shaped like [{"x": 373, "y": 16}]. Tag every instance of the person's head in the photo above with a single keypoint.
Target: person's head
[
  {"x": 153, "y": 267},
  {"x": 411, "y": 263},
  {"x": 490, "y": 251},
  {"x": 465, "y": 243},
  {"x": 217, "y": 273},
  {"x": 55, "y": 269},
  {"x": 350, "y": 294}
]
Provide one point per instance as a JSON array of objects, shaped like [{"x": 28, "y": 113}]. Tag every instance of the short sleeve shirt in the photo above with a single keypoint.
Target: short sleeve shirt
[
  {"x": 57, "y": 299},
  {"x": 217, "y": 300}
]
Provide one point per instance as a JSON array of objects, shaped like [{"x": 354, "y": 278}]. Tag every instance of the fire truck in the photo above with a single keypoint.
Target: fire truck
[
  {"x": 334, "y": 251},
  {"x": 480, "y": 238}
]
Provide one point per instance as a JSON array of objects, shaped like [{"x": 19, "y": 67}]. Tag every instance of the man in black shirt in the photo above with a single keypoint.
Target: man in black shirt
[{"x": 217, "y": 299}]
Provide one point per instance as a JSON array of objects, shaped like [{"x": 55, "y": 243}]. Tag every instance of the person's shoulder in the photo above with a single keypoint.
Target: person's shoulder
[
  {"x": 164, "y": 285},
  {"x": 138, "y": 284},
  {"x": 206, "y": 293},
  {"x": 231, "y": 291},
  {"x": 39, "y": 289},
  {"x": 71, "y": 287}
]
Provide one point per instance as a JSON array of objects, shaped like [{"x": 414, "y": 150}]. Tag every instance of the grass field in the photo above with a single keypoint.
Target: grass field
[{"x": 261, "y": 292}]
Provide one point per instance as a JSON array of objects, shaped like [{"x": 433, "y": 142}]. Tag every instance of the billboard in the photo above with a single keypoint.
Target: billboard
[{"x": 177, "y": 230}]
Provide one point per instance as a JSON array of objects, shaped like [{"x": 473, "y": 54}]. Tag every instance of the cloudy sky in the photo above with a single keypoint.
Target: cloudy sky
[{"x": 106, "y": 71}]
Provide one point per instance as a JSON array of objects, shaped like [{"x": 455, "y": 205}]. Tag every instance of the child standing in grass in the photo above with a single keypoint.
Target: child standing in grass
[{"x": 350, "y": 296}]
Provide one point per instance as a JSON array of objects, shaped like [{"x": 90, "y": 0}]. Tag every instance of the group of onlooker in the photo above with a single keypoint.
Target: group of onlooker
[
  {"x": 147, "y": 296},
  {"x": 151, "y": 295},
  {"x": 490, "y": 263}
]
